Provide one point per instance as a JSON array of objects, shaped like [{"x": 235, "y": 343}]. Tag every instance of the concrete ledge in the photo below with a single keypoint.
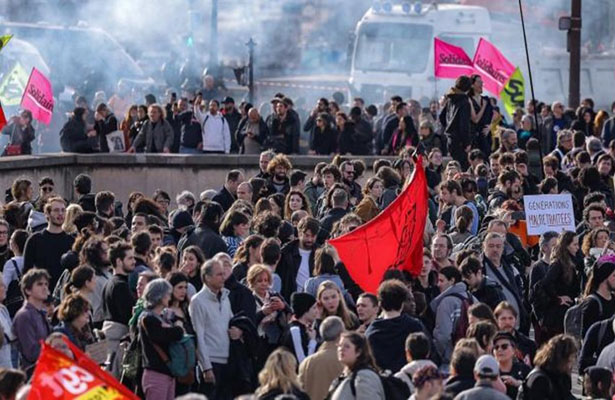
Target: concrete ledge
[{"x": 125, "y": 173}]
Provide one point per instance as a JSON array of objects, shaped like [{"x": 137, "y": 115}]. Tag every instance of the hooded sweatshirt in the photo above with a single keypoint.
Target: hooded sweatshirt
[
  {"x": 387, "y": 338},
  {"x": 447, "y": 308}
]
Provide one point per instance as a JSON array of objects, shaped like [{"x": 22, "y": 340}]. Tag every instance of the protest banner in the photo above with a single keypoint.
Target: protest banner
[
  {"x": 116, "y": 142},
  {"x": 513, "y": 95},
  {"x": 38, "y": 97},
  {"x": 58, "y": 377},
  {"x": 13, "y": 86},
  {"x": 492, "y": 66},
  {"x": 549, "y": 212},
  {"x": 4, "y": 40},
  {"x": 450, "y": 61}
]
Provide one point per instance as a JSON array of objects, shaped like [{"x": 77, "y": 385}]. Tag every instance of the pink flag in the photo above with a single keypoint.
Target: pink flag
[
  {"x": 450, "y": 61},
  {"x": 492, "y": 66},
  {"x": 38, "y": 97}
]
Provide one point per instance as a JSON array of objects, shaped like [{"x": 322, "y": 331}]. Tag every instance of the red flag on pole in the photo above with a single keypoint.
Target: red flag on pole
[
  {"x": 2, "y": 118},
  {"x": 58, "y": 377},
  {"x": 394, "y": 239}
]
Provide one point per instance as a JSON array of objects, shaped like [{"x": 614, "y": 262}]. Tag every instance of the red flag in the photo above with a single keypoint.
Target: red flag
[
  {"x": 2, "y": 118},
  {"x": 57, "y": 377},
  {"x": 394, "y": 239},
  {"x": 450, "y": 61}
]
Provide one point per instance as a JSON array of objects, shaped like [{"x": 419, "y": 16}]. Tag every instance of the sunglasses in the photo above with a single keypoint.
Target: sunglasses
[
  {"x": 503, "y": 346},
  {"x": 47, "y": 189}
]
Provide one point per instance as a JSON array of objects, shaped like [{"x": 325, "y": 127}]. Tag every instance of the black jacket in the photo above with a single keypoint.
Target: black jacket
[
  {"x": 103, "y": 128},
  {"x": 489, "y": 292},
  {"x": 208, "y": 241},
  {"x": 548, "y": 386},
  {"x": 191, "y": 132},
  {"x": 242, "y": 355},
  {"x": 324, "y": 142},
  {"x": 287, "y": 269},
  {"x": 73, "y": 138},
  {"x": 224, "y": 198},
  {"x": 233, "y": 118},
  {"x": 283, "y": 134},
  {"x": 326, "y": 223},
  {"x": 457, "y": 384},
  {"x": 362, "y": 138},
  {"x": 387, "y": 338},
  {"x": 458, "y": 117},
  {"x": 241, "y": 298},
  {"x": 598, "y": 336}
]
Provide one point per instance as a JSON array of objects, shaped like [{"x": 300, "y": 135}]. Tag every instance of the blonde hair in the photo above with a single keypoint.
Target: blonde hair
[
  {"x": 255, "y": 271},
  {"x": 342, "y": 309},
  {"x": 71, "y": 212},
  {"x": 278, "y": 373}
]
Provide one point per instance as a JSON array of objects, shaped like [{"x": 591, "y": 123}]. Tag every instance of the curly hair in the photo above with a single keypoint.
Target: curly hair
[
  {"x": 279, "y": 160},
  {"x": 554, "y": 356}
]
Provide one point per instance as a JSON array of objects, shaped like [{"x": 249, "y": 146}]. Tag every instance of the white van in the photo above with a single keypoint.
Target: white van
[{"x": 393, "y": 48}]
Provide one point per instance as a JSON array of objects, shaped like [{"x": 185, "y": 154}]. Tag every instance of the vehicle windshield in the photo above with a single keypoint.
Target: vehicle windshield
[{"x": 393, "y": 47}]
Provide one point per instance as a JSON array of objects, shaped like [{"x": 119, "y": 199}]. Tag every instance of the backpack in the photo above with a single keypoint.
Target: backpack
[
  {"x": 394, "y": 388},
  {"x": 573, "y": 320},
  {"x": 461, "y": 323},
  {"x": 181, "y": 359},
  {"x": 523, "y": 393},
  {"x": 14, "y": 297},
  {"x": 131, "y": 363}
]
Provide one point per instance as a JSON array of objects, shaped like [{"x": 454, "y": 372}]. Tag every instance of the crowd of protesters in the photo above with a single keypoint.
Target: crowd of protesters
[{"x": 245, "y": 273}]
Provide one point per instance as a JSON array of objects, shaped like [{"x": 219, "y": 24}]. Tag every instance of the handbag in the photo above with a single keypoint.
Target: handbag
[{"x": 12, "y": 149}]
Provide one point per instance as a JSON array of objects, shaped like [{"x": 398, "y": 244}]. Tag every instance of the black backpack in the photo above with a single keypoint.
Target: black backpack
[
  {"x": 394, "y": 388},
  {"x": 524, "y": 394},
  {"x": 573, "y": 320},
  {"x": 14, "y": 297}
]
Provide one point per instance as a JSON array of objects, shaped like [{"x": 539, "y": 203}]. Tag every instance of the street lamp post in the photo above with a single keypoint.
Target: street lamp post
[
  {"x": 251, "y": 44},
  {"x": 213, "y": 39}
]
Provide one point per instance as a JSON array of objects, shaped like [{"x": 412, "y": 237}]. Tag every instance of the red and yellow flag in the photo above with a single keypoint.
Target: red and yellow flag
[{"x": 57, "y": 377}]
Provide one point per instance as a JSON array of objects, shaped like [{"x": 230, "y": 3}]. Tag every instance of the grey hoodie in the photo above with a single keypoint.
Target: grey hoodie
[{"x": 447, "y": 309}]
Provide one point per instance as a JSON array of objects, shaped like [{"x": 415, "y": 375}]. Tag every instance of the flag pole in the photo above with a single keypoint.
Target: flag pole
[{"x": 529, "y": 70}]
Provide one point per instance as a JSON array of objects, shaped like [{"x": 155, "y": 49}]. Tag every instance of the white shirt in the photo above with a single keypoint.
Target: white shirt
[{"x": 303, "y": 274}]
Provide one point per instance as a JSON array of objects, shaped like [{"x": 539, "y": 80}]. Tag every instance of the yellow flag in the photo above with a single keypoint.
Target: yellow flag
[
  {"x": 513, "y": 95},
  {"x": 4, "y": 40},
  {"x": 13, "y": 85}
]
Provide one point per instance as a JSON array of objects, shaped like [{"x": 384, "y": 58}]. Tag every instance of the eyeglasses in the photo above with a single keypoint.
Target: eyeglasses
[
  {"x": 2, "y": 233},
  {"x": 47, "y": 189},
  {"x": 503, "y": 346}
]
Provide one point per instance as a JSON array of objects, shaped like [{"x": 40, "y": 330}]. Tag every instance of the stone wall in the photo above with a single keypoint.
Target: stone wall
[{"x": 125, "y": 173}]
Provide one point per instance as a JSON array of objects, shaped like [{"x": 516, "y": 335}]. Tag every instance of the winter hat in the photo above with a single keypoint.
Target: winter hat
[
  {"x": 486, "y": 367},
  {"x": 603, "y": 268},
  {"x": 301, "y": 303},
  {"x": 181, "y": 219}
]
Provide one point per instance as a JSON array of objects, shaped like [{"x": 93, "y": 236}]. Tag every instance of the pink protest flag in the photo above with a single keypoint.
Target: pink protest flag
[
  {"x": 38, "y": 97},
  {"x": 492, "y": 66},
  {"x": 450, "y": 61}
]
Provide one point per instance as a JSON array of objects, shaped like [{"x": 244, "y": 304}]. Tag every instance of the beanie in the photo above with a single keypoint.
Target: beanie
[
  {"x": 301, "y": 303},
  {"x": 603, "y": 268}
]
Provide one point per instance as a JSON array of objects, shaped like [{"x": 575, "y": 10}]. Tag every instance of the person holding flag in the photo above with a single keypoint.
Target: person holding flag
[{"x": 21, "y": 134}]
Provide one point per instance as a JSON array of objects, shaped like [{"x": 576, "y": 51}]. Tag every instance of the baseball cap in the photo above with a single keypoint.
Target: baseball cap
[
  {"x": 486, "y": 367},
  {"x": 228, "y": 99}
]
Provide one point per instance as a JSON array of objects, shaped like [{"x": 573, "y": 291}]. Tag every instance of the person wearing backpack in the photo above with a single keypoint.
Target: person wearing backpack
[
  {"x": 598, "y": 336},
  {"x": 598, "y": 302},
  {"x": 360, "y": 380},
  {"x": 13, "y": 271},
  {"x": 449, "y": 310},
  {"x": 156, "y": 335},
  {"x": 551, "y": 377},
  {"x": 215, "y": 129}
]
